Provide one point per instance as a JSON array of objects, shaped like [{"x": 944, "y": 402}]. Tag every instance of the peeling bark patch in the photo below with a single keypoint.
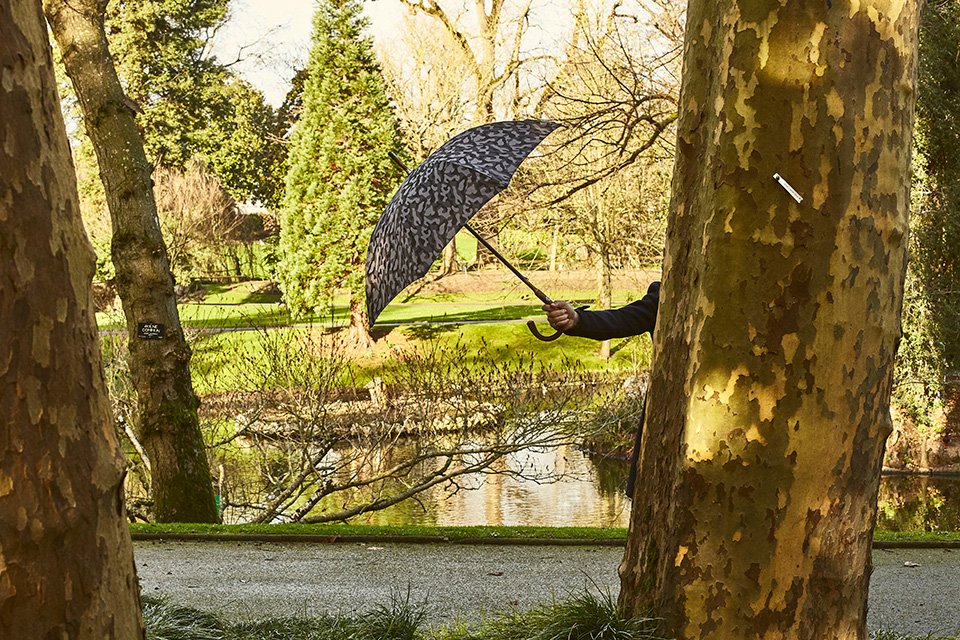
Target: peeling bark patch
[
  {"x": 50, "y": 374},
  {"x": 779, "y": 330}
]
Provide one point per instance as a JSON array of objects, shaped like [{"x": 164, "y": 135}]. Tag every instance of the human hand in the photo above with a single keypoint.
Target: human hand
[{"x": 561, "y": 315}]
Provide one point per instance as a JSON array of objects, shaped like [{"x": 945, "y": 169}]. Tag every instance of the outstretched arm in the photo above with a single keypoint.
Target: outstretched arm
[{"x": 635, "y": 318}]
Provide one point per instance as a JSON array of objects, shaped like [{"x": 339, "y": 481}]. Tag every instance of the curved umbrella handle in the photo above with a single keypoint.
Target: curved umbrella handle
[{"x": 536, "y": 332}]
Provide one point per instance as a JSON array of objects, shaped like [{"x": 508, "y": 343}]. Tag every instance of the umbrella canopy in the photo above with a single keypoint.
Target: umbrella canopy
[{"x": 438, "y": 198}]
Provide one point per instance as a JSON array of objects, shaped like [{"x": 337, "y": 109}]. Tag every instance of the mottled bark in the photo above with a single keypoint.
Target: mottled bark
[
  {"x": 359, "y": 325},
  {"x": 778, "y": 321},
  {"x": 449, "y": 262},
  {"x": 168, "y": 425},
  {"x": 66, "y": 562}
]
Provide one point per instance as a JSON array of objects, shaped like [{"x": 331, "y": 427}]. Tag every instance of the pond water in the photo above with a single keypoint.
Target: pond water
[{"x": 590, "y": 493}]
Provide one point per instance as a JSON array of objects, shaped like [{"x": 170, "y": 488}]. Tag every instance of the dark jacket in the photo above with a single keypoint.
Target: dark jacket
[{"x": 637, "y": 317}]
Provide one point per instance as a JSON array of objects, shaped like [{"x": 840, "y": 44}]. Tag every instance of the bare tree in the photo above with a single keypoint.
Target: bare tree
[
  {"x": 492, "y": 50},
  {"x": 201, "y": 222},
  {"x": 487, "y": 41},
  {"x": 601, "y": 181},
  {"x": 324, "y": 453},
  {"x": 617, "y": 92}
]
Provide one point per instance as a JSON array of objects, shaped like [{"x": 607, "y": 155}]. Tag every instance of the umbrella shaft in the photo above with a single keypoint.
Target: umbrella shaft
[{"x": 544, "y": 298}]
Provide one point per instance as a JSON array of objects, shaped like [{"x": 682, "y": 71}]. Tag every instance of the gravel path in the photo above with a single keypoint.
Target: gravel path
[{"x": 248, "y": 581}]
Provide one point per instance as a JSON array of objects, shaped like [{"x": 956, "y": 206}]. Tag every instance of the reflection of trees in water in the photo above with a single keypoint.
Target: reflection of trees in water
[
  {"x": 293, "y": 444},
  {"x": 589, "y": 494},
  {"x": 555, "y": 486},
  {"x": 611, "y": 475},
  {"x": 919, "y": 503},
  {"x": 323, "y": 455}
]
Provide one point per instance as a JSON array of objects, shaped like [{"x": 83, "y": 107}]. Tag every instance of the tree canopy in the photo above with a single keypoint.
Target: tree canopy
[{"x": 190, "y": 104}]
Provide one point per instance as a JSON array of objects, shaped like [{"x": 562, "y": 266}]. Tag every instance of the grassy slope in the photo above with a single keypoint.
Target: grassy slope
[{"x": 213, "y": 353}]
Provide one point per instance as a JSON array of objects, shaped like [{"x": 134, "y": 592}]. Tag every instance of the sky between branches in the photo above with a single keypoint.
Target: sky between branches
[{"x": 272, "y": 37}]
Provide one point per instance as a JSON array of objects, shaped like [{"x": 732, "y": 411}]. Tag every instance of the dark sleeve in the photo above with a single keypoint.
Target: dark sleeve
[{"x": 637, "y": 317}]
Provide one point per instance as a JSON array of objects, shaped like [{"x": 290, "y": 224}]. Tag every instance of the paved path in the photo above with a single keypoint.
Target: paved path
[{"x": 247, "y": 581}]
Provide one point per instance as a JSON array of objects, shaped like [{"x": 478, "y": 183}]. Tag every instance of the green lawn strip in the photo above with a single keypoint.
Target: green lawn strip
[
  {"x": 921, "y": 537},
  {"x": 217, "y": 356},
  {"x": 247, "y": 305},
  {"x": 488, "y": 533},
  {"x": 507, "y": 341},
  {"x": 453, "y": 534}
]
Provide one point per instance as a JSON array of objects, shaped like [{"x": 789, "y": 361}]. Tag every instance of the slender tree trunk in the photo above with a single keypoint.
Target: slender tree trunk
[
  {"x": 66, "y": 561},
  {"x": 489, "y": 23},
  {"x": 779, "y": 321},
  {"x": 359, "y": 324},
  {"x": 160, "y": 363},
  {"x": 449, "y": 263},
  {"x": 604, "y": 293},
  {"x": 553, "y": 247}
]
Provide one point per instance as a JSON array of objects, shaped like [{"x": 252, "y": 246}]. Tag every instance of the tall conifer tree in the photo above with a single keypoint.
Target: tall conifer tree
[{"x": 340, "y": 176}]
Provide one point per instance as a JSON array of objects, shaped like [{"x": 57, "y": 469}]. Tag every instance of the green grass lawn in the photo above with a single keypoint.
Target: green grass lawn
[
  {"x": 406, "y": 531},
  {"x": 454, "y": 534},
  {"x": 250, "y": 304},
  {"x": 216, "y": 355}
]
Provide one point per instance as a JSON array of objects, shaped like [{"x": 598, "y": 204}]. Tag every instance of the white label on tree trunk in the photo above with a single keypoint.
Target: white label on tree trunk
[{"x": 786, "y": 185}]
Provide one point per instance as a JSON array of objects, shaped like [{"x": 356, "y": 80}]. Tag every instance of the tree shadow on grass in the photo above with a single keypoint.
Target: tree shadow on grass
[
  {"x": 510, "y": 312},
  {"x": 429, "y": 331}
]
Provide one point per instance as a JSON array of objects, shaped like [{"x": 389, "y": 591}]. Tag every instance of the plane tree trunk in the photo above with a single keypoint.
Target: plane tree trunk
[
  {"x": 779, "y": 321},
  {"x": 66, "y": 560},
  {"x": 168, "y": 426}
]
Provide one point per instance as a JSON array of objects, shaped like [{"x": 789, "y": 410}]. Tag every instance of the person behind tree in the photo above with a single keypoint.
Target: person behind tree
[
  {"x": 638, "y": 317},
  {"x": 634, "y": 319}
]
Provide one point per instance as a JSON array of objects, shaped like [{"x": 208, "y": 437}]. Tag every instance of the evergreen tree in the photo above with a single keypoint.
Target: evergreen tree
[
  {"x": 248, "y": 150},
  {"x": 930, "y": 353},
  {"x": 340, "y": 176},
  {"x": 161, "y": 48}
]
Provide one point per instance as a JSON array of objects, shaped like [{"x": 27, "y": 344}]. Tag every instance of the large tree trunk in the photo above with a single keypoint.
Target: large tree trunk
[
  {"x": 159, "y": 356},
  {"x": 779, "y": 321},
  {"x": 66, "y": 562}
]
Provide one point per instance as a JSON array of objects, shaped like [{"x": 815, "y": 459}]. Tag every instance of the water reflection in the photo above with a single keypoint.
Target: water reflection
[
  {"x": 589, "y": 492},
  {"x": 919, "y": 503}
]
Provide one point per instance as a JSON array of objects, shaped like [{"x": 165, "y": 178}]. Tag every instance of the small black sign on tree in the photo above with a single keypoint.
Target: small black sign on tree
[{"x": 151, "y": 331}]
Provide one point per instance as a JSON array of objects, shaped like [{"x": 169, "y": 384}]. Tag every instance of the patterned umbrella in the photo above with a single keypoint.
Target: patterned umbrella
[{"x": 438, "y": 198}]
